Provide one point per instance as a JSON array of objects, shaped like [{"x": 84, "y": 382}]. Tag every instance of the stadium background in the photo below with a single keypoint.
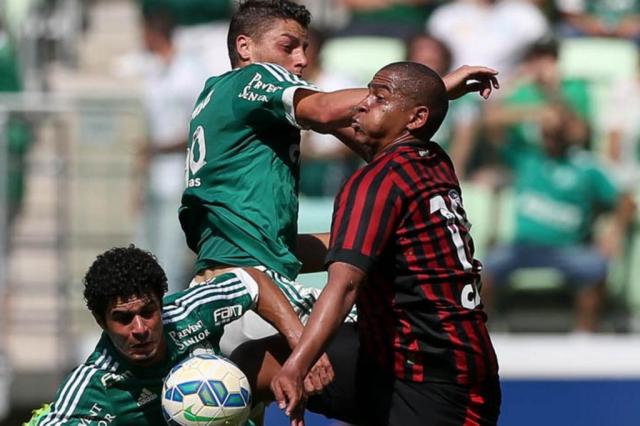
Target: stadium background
[{"x": 81, "y": 117}]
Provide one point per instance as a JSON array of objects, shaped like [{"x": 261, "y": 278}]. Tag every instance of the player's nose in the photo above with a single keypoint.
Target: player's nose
[
  {"x": 139, "y": 326},
  {"x": 301, "y": 60}
]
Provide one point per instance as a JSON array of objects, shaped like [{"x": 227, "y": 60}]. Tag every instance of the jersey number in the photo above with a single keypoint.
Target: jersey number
[
  {"x": 195, "y": 159},
  {"x": 470, "y": 297}
]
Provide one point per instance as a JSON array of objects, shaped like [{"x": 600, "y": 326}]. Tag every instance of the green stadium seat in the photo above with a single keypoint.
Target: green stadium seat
[
  {"x": 15, "y": 14},
  {"x": 478, "y": 203},
  {"x": 361, "y": 57}
]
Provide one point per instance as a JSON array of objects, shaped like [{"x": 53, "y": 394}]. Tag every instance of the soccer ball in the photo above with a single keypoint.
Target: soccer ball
[{"x": 206, "y": 390}]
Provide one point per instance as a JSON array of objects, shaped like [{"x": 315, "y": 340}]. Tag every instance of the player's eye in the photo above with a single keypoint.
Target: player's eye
[
  {"x": 122, "y": 318},
  {"x": 147, "y": 313}
]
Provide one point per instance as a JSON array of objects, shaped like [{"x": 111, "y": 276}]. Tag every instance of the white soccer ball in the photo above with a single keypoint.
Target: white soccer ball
[{"x": 206, "y": 390}]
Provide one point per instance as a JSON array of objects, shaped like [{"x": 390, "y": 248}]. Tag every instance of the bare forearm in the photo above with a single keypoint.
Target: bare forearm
[
  {"x": 329, "y": 312},
  {"x": 347, "y": 137},
  {"x": 324, "y": 112},
  {"x": 273, "y": 307}
]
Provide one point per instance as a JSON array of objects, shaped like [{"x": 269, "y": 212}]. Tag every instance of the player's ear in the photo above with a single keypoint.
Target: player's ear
[
  {"x": 418, "y": 118},
  {"x": 243, "y": 47}
]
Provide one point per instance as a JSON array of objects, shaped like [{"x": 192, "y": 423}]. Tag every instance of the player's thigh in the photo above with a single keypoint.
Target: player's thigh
[
  {"x": 260, "y": 360},
  {"x": 246, "y": 328},
  {"x": 338, "y": 399}
]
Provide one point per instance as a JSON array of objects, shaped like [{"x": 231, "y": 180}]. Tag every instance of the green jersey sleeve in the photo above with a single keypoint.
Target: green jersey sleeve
[
  {"x": 216, "y": 302},
  {"x": 81, "y": 399},
  {"x": 268, "y": 91}
]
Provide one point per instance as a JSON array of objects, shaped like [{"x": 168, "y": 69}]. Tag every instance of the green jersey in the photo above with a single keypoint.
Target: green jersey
[
  {"x": 557, "y": 199},
  {"x": 574, "y": 92},
  {"x": 240, "y": 205},
  {"x": 109, "y": 390}
]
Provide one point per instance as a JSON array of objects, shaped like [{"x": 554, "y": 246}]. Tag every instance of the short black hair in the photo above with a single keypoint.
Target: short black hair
[
  {"x": 122, "y": 272},
  {"x": 420, "y": 85},
  {"x": 445, "y": 51},
  {"x": 546, "y": 46},
  {"x": 160, "y": 21},
  {"x": 254, "y": 17}
]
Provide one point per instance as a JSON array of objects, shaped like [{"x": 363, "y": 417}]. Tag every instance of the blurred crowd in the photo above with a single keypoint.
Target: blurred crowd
[{"x": 556, "y": 149}]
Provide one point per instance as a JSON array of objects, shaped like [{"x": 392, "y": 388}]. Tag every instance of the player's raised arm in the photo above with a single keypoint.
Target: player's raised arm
[
  {"x": 469, "y": 79},
  {"x": 332, "y": 307},
  {"x": 275, "y": 309},
  {"x": 331, "y": 112}
]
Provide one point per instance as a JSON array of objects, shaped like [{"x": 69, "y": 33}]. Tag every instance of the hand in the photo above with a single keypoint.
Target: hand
[
  {"x": 320, "y": 375},
  {"x": 467, "y": 79},
  {"x": 288, "y": 390}
]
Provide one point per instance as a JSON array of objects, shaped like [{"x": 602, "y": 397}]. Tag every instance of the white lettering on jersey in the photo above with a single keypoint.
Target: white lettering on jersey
[
  {"x": 193, "y": 334},
  {"x": 198, "y": 109},
  {"x": 226, "y": 314},
  {"x": 96, "y": 411},
  {"x": 256, "y": 84},
  {"x": 196, "y": 164}
]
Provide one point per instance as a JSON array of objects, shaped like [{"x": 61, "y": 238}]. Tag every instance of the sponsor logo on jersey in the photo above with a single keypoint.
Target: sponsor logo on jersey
[
  {"x": 111, "y": 379},
  {"x": 146, "y": 396},
  {"x": 250, "y": 91},
  {"x": 227, "y": 314},
  {"x": 193, "y": 334}
]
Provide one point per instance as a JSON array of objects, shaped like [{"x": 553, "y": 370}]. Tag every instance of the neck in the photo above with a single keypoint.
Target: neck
[{"x": 404, "y": 137}]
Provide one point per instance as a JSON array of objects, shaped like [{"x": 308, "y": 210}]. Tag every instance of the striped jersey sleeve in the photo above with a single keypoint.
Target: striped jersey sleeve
[
  {"x": 366, "y": 213},
  {"x": 81, "y": 398},
  {"x": 217, "y": 301}
]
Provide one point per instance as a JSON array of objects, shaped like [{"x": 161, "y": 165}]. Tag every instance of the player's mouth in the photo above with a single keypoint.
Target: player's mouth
[
  {"x": 142, "y": 347},
  {"x": 355, "y": 125}
]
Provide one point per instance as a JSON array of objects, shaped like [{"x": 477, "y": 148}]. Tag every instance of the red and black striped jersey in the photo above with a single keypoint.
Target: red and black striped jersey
[{"x": 401, "y": 220}]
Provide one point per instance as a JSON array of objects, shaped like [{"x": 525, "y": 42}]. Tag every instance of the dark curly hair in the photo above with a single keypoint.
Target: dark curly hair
[
  {"x": 254, "y": 17},
  {"x": 122, "y": 272}
]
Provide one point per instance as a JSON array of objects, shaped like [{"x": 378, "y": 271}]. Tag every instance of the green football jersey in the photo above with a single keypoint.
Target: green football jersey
[
  {"x": 557, "y": 199},
  {"x": 109, "y": 390},
  {"x": 240, "y": 205}
]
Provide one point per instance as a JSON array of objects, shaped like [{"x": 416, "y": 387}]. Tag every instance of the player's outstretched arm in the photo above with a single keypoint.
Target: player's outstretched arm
[
  {"x": 329, "y": 312},
  {"x": 275, "y": 309},
  {"x": 469, "y": 79}
]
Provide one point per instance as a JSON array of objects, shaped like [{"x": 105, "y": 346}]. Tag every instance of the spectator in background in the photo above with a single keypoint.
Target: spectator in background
[
  {"x": 387, "y": 18},
  {"x": 600, "y": 18},
  {"x": 559, "y": 190},
  {"x": 201, "y": 29},
  {"x": 459, "y": 129},
  {"x": 496, "y": 33},
  {"x": 327, "y": 161},
  {"x": 172, "y": 82},
  {"x": 15, "y": 143},
  {"x": 537, "y": 83},
  {"x": 16, "y": 130},
  {"x": 622, "y": 126}
]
